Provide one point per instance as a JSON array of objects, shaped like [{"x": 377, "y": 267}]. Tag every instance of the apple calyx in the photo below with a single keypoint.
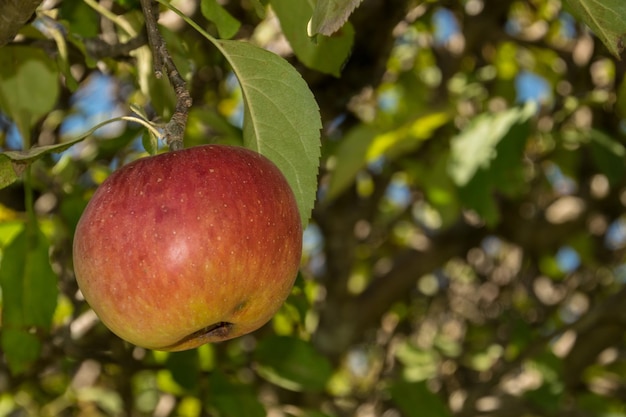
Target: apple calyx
[{"x": 215, "y": 332}]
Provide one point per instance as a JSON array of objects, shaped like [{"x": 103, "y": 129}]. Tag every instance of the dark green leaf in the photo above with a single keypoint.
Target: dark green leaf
[
  {"x": 292, "y": 364},
  {"x": 29, "y": 85},
  {"x": 609, "y": 155},
  {"x": 330, "y": 15},
  {"x": 233, "y": 399},
  {"x": 416, "y": 400},
  {"x": 606, "y": 18},
  {"x": 327, "y": 54},
  {"x": 227, "y": 25},
  {"x": 82, "y": 19},
  {"x": 29, "y": 292},
  {"x": 350, "y": 158},
  {"x": 184, "y": 367},
  {"x": 20, "y": 348}
]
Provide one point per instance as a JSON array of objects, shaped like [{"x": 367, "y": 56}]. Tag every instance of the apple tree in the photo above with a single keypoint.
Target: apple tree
[{"x": 459, "y": 170}]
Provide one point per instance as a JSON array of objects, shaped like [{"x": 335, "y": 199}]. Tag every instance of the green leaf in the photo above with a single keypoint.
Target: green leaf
[
  {"x": 232, "y": 399},
  {"x": 184, "y": 367},
  {"x": 327, "y": 54},
  {"x": 281, "y": 117},
  {"x": 150, "y": 142},
  {"x": 9, "y": 172},
  {"x": 81, "y": 18},
  {"x": 29, "y": 295},
  {"x": 609, "y": 155},
  {"x": 606, "y": 18},
  {"x": 350, "y": 158},
  {"x": 292, "y": 363},
  {"x": 20, "y": 348},
  {"x": 364, "y": 144},
  {"x": 227, "y": 25},
  {"x": 330, "y": 15},
  {"x": 487, "y": 157},
  {"x": 474, "y": 147},
  {"x": 259, "y": 8},
  {"x": 416, "y": 400},
  {"x": 29, "y": 85}
]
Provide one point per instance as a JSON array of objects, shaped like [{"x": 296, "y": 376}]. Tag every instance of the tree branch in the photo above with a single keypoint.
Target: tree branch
[
  {"x": 175, "y": 129},
  {"x": 13, "y": 15}
]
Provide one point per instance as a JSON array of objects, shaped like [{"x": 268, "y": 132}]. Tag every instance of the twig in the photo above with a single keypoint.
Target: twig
[{"x": 175, "y": 128}]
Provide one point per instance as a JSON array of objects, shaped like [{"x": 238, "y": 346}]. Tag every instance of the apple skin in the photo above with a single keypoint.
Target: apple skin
[{"x": 189, "y": 247}]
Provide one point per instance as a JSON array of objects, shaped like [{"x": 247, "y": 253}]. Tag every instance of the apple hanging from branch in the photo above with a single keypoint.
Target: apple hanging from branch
[{"x": 189, "y": 247}]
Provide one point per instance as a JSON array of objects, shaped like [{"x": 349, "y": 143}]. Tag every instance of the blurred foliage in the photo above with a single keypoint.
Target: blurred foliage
[{"x": 465, "y": 255}]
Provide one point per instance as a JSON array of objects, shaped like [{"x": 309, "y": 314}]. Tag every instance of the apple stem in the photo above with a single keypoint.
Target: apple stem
[{"x": 175, "y": 128}]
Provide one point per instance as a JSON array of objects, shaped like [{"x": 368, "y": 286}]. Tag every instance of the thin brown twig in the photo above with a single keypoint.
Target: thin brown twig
[{"x": 175, "y": 128}]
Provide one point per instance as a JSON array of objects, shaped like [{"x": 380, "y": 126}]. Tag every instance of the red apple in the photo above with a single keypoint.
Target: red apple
[{"x": 189, "y": 247}]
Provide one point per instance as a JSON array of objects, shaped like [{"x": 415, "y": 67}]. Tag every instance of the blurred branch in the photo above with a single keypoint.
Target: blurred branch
[
  {"x": 175, "y": 128},
  {"x": 98, "y": 48},
  {"x": 13, "y": 15}
]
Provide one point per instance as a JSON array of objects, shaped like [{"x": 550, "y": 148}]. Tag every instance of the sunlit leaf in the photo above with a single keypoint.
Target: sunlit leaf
[
  {"x": 606, "y": 18},
  {"x": 330, "y": 15},
  {"x": 227, "y": 25},
  {"x": 29, "y": 85},
  {"x": 326, "y": 54},
  {"x": 474, "y": 147},
  {"x": 487, "y": 157},
  {"x": 365, "y": 144},
  {"x": 292, "y": 364}
]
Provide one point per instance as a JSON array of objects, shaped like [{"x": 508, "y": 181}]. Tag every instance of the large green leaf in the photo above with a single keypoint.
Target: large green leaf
[
  {"x": 29, "y": 294},
  {"x": 281, "y": 117},
  {"x": 330, "y": 15},
  {"x": 292, "y": 364},
  {"x": 29, "y": 85},
  {"x": 606, "y": 18},
  {"x": 326, "y": 54}
]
